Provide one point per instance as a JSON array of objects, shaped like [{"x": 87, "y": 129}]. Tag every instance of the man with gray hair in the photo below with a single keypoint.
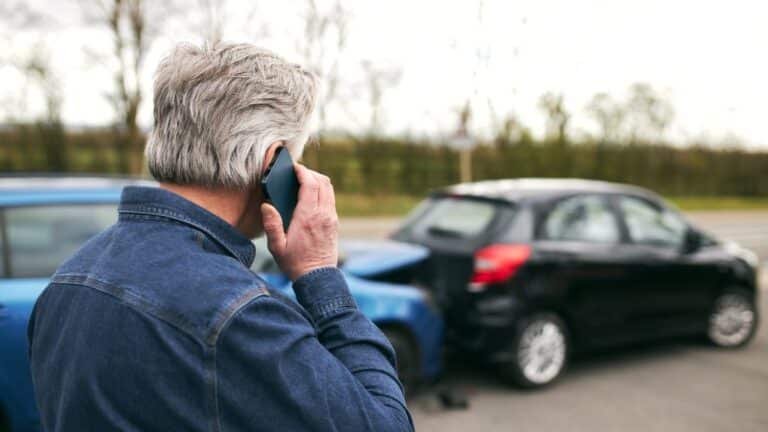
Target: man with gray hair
[{"x": 157, "y": 324}]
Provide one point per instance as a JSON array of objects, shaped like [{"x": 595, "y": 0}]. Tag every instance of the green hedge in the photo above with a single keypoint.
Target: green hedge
[{"x": 383, "y": 166}]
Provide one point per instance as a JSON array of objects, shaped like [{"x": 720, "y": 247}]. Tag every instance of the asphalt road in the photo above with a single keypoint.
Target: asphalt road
[{"x": 681, "y": 385}]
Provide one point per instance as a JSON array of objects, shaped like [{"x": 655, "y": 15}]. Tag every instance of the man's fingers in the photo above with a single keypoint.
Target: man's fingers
[
  {"x": 273, "y": 228},
  {"x": 309, "y": 187},
  {"x": 327, "y": 215},
  {"x": 325, "y": 193},
  {"x": 332, "y": 197}
]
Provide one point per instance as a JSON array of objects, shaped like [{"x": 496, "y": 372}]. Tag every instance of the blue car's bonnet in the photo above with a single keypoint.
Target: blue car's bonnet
[
  {"x": 361, "y": 289},
  {"x": 370, "y": 258}
]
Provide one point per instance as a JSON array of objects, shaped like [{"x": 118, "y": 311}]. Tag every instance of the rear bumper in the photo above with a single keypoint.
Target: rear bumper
[{"x": 488, "y": 326}]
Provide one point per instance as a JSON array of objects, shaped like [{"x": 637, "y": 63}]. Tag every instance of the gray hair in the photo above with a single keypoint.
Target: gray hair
[{"x": 218, "y": 109}]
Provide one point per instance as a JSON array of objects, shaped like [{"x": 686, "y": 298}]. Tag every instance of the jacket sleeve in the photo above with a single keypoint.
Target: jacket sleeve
[{"x": 276, "y": 371}]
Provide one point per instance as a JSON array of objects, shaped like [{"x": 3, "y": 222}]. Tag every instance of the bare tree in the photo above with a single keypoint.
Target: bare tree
[
  {"x": 40, "y": 71},
  {"x": 36, "y": 68},
  {"x": 510, "y": 130},
  {"x": 18, "y": 15},
  {"x": 609, "y": 115},
  {"x": 649, "y": 113},
  {"x": 14, "y": 17},
  {"x": 325, "y": 38},
  {"x": 214, "y": 19},
  {"x": 557, "y": 116},
  {"x": 379, "y": 79},
  {"x": 132, "y": 26},
  {"x": 464, "y": 117}
]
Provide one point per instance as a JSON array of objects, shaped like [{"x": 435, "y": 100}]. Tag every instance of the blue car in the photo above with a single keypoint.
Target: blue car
[{"x": 44, "y": 220}]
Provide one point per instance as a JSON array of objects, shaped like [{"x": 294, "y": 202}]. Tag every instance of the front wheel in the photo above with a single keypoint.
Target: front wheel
[
  {"x": 733, "y": 319},
  {"x": 407, "y": 358},
  {"x": 540, "y": 351}
]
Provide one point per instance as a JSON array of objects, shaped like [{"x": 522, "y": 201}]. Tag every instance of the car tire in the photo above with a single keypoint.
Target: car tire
[
  {"x": 5, "y": 424},
  {"x": 408, "y": 367},
  {"x": 733, "y": 319},
  {"x": 539, "y": 351}
]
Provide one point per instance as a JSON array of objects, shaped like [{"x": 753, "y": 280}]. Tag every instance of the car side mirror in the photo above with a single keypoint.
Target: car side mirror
[{"x": 692, "y": 241}]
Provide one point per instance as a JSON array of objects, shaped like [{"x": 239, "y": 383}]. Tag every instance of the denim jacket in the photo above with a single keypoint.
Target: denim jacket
[{"x": 157, "y": 324}]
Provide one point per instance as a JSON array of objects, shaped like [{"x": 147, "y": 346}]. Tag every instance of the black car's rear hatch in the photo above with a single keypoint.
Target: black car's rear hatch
[{"x": 453, "y": 228}]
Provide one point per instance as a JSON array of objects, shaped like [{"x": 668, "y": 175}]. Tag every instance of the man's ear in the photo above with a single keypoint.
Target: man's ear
[{"x": 268, "y": 155}]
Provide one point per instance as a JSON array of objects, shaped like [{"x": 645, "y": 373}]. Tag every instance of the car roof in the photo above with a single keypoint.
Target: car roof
[
  {"x": 15, "y": 183},
  {"x": 519, "y": 189},
  {"x": 37, "y": 190}
]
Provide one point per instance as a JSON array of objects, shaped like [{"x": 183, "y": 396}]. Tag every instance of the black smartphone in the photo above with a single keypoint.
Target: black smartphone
[{"x": 280, "y": 185}]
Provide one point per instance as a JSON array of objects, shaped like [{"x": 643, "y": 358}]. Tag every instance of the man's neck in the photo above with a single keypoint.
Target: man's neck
[{"x": 228, "y": 204}]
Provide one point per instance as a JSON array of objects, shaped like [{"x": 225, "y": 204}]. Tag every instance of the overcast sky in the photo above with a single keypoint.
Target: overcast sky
[{"x": 710, "y": 58}]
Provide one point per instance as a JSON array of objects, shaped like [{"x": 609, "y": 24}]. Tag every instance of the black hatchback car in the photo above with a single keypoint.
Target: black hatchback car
[{"x": 529, "y": 270}]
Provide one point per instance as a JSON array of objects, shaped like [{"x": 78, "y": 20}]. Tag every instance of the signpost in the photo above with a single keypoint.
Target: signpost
[{"x": 464, "y": 144}]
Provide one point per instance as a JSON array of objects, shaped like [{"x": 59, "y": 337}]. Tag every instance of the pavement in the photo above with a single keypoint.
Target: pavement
[{"x": 682, "y": 385}]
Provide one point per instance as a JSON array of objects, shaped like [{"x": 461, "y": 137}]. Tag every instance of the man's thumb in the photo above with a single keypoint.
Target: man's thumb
[{"x": 273, "y": 228}]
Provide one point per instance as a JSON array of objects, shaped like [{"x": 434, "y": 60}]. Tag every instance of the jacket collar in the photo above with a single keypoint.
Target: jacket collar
[{"x": 163, "y": 203}]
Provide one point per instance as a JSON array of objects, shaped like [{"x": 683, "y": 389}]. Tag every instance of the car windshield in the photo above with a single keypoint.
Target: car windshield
[
  {"x": 452, "y": 217},
  {"x": 40, "y": 238}
]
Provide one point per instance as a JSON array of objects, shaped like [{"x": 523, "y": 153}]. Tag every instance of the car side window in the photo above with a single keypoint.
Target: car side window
[
  {"x": 649, "y": 224},
  {"x": 40, "y": 238},
  {"x": 584, "y": 218}
]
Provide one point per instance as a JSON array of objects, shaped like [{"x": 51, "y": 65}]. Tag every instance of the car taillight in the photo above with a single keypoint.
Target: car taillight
[{"x": 497, "y": 263}]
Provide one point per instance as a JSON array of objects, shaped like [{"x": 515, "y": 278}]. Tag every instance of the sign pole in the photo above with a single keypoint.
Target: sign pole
[{"x": 465, "y": 164}]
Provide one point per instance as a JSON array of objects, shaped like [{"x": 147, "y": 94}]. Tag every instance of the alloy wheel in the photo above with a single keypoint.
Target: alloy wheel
[
  {"x": 732, "y": 320},
  {"x": 541, "y": 351}
]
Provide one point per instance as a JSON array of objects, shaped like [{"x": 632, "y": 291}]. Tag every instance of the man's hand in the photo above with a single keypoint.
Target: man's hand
[{"x": 312, "y": 238}]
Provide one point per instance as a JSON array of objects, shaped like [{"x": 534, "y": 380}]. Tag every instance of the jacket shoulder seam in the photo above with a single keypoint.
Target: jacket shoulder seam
[
  {"x": 135, "y": 302},
  {"x": 226, "y": 315}
]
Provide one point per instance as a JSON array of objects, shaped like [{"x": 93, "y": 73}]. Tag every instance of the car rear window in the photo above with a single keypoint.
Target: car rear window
[
  {"x": 40, "y": 238},
  {"x": 452, "y": 217}
]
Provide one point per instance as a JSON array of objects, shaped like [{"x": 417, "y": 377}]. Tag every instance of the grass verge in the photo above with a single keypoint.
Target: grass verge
[
  {"x": 690, "y": 203},
  {"x": 358, "y": 205}
]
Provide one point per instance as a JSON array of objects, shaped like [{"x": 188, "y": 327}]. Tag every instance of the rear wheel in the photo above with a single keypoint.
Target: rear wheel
[
  {"x": 540, "y": 351},
  {"x": 407, "y": 357},
  {"x": 733, "y": 319},
  {"x": 5, "y": 424}
]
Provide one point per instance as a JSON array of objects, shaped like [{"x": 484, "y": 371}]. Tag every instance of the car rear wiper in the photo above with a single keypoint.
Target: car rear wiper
[{"x": 444, "y": 232}]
